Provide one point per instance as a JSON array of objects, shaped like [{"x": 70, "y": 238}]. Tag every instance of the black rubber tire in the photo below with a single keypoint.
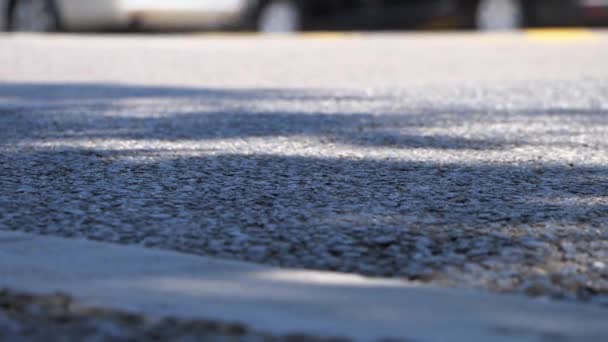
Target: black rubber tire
[
  {"x": 522, "y": 18},
  {"x": 252, "y": 21}
]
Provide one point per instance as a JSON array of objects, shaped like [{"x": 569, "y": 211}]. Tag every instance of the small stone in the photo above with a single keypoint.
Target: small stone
[
  {"x": 534, "y": 244},
  {"x": 340, "y": 248},
  {"x": 598, "y": 266},
  {"x": 568, "y": 248},
  {"x": 384, "y": 240},
  {"x": 423, "y": 242},
  {"x": 478, "y": 252},
  {"x": 472, "y": 268}
]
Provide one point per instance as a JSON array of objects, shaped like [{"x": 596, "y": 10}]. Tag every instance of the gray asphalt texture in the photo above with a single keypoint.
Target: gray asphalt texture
[
  {"x": 465, "y": 160},
  {"x": 34, "y": 318}
]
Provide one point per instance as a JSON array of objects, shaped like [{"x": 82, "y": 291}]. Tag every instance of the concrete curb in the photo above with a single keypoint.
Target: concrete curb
[{"x": 282, "y": 300}]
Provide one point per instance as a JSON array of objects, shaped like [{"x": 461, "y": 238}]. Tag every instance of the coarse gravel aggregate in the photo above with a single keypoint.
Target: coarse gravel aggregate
[
  {"x": 494, "y": 183},
  {"x": 27, "y": 317}
]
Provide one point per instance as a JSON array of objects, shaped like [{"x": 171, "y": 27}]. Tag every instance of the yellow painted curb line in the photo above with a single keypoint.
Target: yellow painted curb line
[{"x": 561, "y": 34}]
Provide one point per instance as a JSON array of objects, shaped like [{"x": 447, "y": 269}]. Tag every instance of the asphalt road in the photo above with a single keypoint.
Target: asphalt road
[{"x": 453, "y": 159}]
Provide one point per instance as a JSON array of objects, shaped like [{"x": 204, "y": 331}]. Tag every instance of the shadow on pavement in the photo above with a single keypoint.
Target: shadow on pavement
[
  {"x": 135, "y": 112},
  {"x": 447, "y": 221}
]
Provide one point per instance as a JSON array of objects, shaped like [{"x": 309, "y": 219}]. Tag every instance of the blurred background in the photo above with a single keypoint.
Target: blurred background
[{"x": 295, "y": 15}]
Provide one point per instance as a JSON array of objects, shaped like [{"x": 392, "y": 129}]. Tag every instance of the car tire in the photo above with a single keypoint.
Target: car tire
[
  {"x": 33, "y": 16},
  {"x": 499, "y": 15},
  {"x": 279, "y": 16}
]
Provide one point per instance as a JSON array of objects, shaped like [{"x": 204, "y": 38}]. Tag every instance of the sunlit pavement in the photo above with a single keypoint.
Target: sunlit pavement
[
  {"x": 449, "y": 159},
  {"x": 282, "y": 301}
]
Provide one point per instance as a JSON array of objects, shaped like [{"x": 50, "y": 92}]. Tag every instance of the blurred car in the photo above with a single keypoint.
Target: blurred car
[
  {"x": 86, "y": 15},
  {"x": 469, "y": 14},
  {"x": 513, "y": 14},
  {"x": 294, "y": 15},
  {"x": 261, "y": 15}
]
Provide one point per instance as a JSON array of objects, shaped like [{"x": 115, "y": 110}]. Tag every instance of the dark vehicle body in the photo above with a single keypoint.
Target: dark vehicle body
[
  {"x": 404, "y": 14},
  {"x": 86, "y": 15}
]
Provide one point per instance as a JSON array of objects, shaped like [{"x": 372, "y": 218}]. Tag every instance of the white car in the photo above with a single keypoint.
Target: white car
[{"x": 86, "y": 15}]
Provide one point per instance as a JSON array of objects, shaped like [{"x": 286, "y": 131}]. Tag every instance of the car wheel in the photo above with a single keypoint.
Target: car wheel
[
  {"x": 279, "y": 16},
  {"x": 494, "y": 15},
  {"x": 33, "y": 16}
]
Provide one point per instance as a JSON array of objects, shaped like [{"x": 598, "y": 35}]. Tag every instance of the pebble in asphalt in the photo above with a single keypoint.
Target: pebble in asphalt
[{"x": 495, "y": 178}]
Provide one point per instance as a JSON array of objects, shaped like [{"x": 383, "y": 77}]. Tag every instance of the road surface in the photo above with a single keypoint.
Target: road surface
[{"x": 465, "y": 160}]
